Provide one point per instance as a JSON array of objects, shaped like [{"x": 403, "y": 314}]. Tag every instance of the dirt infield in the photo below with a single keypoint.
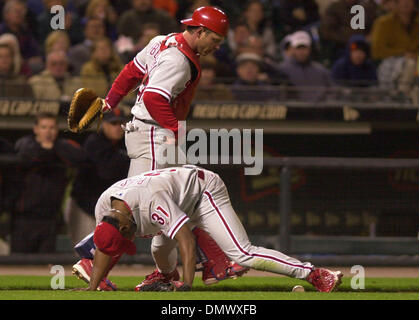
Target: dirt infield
[{"x": 142, "y": 270}]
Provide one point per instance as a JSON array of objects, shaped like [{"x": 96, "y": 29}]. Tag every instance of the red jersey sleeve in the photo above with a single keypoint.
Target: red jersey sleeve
[
  {"x": 126, "y": 80},
  {"x": 161, "y": 111}
]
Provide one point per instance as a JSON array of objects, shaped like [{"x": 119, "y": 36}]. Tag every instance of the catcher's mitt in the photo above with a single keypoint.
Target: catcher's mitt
[{"x": 85, "y": 108}]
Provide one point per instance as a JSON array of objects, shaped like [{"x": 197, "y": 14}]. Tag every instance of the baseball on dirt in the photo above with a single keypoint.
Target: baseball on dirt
[{"x": 298, "y": 288}]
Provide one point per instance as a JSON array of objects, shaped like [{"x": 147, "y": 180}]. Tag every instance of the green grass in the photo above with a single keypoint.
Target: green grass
[{"x": 246, "y": 288}]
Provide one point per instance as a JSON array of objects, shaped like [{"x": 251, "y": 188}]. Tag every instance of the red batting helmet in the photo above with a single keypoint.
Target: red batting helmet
[{"x": 209, "y": 17}]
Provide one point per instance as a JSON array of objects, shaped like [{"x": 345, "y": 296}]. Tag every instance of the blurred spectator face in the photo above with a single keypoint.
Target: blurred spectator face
[
  {"x": 100, "y": 10},
  {"x": 112, "y": 130},
  {"x": 254, "y": 13},
  {"x": 301, "y": 53},
  {"x": 207, "y": 77},
  {"x": 102, "y": 52},
  {"x": 149, "y": 32},
  {"x": 207, "y": 42},
  {"x": 254, "y": 45},
  {"x": 300, "y": 42},
  {"x": 357, "y": 57},
  {"x": 142, "y": 5},
  {"x": 405, "y": 7},
  {"x": 14, "y": 13},
  {"x": 248, "y": 71},
  {"x": 94, "y": 29},
  {"x": 57, "y": 64},
  {"x": 241, "y": 35},
  {"x": 6, "y": 60},
  {"x": 60, "y": 45},
  {"x": 46, "y": 130},
  {"x": 57, "y": 41}
]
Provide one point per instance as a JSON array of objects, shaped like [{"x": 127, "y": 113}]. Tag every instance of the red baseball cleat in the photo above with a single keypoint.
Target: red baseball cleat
[
  {"x": 211, "y": 276},
  {"x": 83, "y": 271},
  {"x": 325, "y": 280},
  {"x": 150, "y": 282}
]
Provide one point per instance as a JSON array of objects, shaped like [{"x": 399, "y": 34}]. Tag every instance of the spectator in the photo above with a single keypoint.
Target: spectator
[
  {"x": 72, "y": 22},
  {"x": 295, "y": 15},
  {"x": 79, "y": 54},
  {"x": 255, "y": 45},
  {"x": 249, "y": 86},
  {"x": 104, "y": 11},
  {"x": 55, "y": 82},
  {"x": 355, "y": 69},
  {"x": 208, "y": 89},
  {"x": 237, "y": 37},
  {"x": 102, "y": 68},
  {"x": 107, "y": 163},
  {"x": 310, "y": 79},
  {"x": 35, "y": 214},
  {"x": 335, "y": 26},
  {"x": 396, "y": 33},
  {"x": 18, "y": 63},
  {"x": 57, "y": 41},
  {"x": 14, "y": 12},
  {"x": 128, "y": 50},
  {"x": 259, "y": 25},
  {"x": 12, "y": 83},
  {"x": 131, "y": 22}
]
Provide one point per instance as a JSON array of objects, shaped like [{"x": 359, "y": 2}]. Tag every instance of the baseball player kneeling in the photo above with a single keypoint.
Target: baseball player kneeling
[{"x": 164, "y": 202}]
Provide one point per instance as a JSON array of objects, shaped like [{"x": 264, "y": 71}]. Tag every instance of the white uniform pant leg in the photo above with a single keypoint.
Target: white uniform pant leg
[
  {"x": 217, "y": 217},
  {"x": 79, "y": 222},
  {"x": 142, "y": 148}
]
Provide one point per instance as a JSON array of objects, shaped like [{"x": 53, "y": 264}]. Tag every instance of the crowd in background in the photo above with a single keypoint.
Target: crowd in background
[
  {"x": 309, "y": 46},
  {"x": 306, "y": 46}
]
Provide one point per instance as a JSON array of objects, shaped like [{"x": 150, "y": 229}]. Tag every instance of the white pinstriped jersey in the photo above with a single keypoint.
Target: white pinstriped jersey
[
  {"x": 161, "y": 201},
  {"x": 167, "y": 72}
]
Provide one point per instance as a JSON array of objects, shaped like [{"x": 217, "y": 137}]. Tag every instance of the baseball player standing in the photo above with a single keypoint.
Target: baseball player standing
[
  {"x": 168, "y": 69},
  {"x": 162, "y": 202}
]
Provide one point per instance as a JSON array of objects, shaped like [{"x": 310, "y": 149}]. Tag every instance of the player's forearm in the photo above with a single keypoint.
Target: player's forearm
[
  {"x": 187, "y": 249},
  {"x": 101, "y": 263},
  {"x": 188, "y": 264}
]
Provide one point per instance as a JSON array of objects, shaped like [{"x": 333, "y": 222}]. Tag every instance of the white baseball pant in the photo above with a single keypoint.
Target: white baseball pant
[
  {"x": 142, "y": 141},
  {"x": 217, "y": 217}
]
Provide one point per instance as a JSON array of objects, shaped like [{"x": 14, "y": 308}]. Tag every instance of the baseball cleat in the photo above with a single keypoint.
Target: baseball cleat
[
  {"x": 153, "y": 281},
  {"x": 83, "y": 269},
  {"x": 325, "y": 280},
  {"x": 233, "y": 271}
]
